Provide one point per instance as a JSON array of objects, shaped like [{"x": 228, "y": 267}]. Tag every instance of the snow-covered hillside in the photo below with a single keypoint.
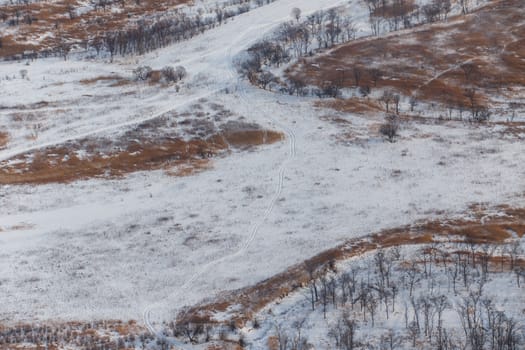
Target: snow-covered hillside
[{"x": 143, "y": 246}]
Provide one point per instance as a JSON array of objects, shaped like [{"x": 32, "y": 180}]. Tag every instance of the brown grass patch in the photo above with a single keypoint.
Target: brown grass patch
[
  {"x": 4, "y": 139},
  {"x": 97, "y": 332},
  {"x": 61, "y": 164},
  {"x": 126, "y": 328},
  {"x": 252, "y": 137},
  {"x": 427, "y": 62},
  {"x": 114, "y": 79},
  {"x": 389, "y": 9},
  {"x": 351, "y": 105},
  {"x": 54, "y": 16}
]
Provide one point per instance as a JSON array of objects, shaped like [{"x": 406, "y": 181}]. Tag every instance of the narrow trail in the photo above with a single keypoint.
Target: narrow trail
[
  {"x": 291, "y": 153},
  {"x": 247, "y": 37},
  {"x": 255, "y": 228},
  {"x": 10, "y": 153},
  {"x": 16, "y": 152}
]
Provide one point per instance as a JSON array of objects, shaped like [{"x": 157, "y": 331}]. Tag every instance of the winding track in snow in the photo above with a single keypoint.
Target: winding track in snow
[{"x": 255, "y": 228}]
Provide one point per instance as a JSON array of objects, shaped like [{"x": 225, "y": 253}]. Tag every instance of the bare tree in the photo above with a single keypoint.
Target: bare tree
[
  {"x": 396, "y": 99},
  {"x": 387, "y": 98},
  {"x": 357, "y": 72},
  {"x": 265, "y": 78},
  {"x": 469, "y": 70},
  {"x": 168, "y": 73},
  {"x": 296, "y": 85},
  {"x": 180, "y": 72},
  {"x": 142, "y": 72},
  {"x": 375, "y": 75}
]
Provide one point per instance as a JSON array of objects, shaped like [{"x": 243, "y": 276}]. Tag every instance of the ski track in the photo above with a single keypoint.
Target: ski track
[
  {"x": 16, "y": 152},
  {"x": 291, "y": 153}
]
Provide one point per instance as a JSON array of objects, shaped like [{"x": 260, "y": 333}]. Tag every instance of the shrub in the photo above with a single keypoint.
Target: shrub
[
  {"x": 180, "y": 72},
  {"x": 390, "y": 128},
  {"x": 142, "y": 72},
  {"x": 169, "y": 74}
]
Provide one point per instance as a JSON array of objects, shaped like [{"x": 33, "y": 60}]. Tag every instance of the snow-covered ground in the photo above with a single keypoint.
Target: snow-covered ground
[{"x": 152, "y": 242}]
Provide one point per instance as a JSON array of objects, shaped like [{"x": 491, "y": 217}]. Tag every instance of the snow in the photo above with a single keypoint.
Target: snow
[
  {"x": 116, "y": 248},
  {"x": 295, "y": 309}
]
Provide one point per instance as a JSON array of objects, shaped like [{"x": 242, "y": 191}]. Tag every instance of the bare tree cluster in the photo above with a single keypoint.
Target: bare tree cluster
[
  {"x": 436, "y": 10},
  {"x": 323, "y": 29},
  {"x": 142, "y": 36},
  {"x": 442, "y": 281},
  {"x": 81, "y": 336},
  {"x": 168, "y": 74}
]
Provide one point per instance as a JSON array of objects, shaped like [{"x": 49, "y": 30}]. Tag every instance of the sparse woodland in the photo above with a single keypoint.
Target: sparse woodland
[
  {"x": 442, "y": 297},
  {"x": 314, "y": 69},
  {"x": 324, "y": 29},
  {"x": 439, "y": 296}
]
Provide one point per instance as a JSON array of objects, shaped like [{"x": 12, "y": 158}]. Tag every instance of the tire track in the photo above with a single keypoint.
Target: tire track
[{"x": 255, "y": 228}]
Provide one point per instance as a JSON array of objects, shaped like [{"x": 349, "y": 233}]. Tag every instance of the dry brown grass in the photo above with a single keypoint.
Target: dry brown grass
[
  {"x": 113, "y": 79},
  {"x": 54, "y": 16},
  {"x": 96, "y": 331},
  {"x": 273, "y": 343},
  {"x": 388, "y": 11},
  {"x": 427, "y": 63},
  {"x": 495, "y": 230},
  {"x": 351, "y": 105},
  {"x": 4, "y": 139},
  {"x": 61, "y": 164},
  {"x": 250, "y": 138}
]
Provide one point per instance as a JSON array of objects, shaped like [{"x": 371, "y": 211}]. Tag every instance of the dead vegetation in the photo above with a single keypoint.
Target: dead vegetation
[
  {"x": 113, "y": 80},
  {"x": 62, "y": 164},
  {"x": 106, "y": 334},
  {"x": 483, "y": 228},
  {"x": 151, "y": 145},
  {"x": 69, "y": 22},
  {"x": 466, "y": 64},
  {"x": 4, "y": 139}
]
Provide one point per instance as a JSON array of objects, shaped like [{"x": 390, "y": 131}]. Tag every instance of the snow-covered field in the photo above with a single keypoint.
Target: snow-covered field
[{"x": 151, "y": 243}]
